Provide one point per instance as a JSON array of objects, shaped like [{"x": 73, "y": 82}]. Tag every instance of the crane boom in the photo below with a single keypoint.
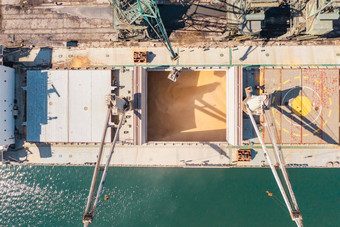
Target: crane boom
[
  {"x": 121, "y": 105},
  {"x": 257, "y": 105},
  {"x": 143, "y": 16}
]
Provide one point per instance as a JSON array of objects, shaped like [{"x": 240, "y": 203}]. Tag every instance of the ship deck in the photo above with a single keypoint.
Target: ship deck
[
  {"x": 289, "y": 65},
  {"x": 304, "y": 104}
]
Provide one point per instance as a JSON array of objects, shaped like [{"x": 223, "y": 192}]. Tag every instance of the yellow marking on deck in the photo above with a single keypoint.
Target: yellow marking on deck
[
  {"x": 315, "y": 131},
  {"x": 273, "y": 112},
  {"x": 305, "y": 134},
  {"x": 329, "y": 113},
  {"x": 296, "y": 134},
  {"x": 297, "y": 77},
  {"x": 277, "y": 122},
  {"x": 301, "y": 106},
  {"x": 317, "y": 81},
  {"x": 306, "y": 77},
  {"x": 325, "y": 123},
  {"x": 285, "y": 130},
  {"x": 278, "y": 89},
  {"x": 261, "y": 81},
  {"x": 330, "y": 101},
  {"x": 286, "y": 81},
  {"x": 326, "y": 90}
]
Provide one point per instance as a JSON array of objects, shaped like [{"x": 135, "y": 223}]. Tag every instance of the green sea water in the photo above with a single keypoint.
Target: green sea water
[{"x": 56, "y": 196}]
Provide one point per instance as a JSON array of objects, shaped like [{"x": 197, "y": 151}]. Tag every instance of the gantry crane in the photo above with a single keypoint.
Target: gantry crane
[
  {"x": 307, "y": 18},
  {"x": 249, "y": 15},
  {"x": 116, "y": 106},
  {"x": 137, "y": 19},
  {"x": 260, "y": 105},
  {"x": 252, "y": 105},
  {"x": 320, "y": 15}
]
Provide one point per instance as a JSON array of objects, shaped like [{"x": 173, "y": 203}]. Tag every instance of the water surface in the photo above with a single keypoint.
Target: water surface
[{"x": 56, "y": 196}]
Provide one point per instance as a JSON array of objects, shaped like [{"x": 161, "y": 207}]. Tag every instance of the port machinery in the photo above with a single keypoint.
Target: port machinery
[
  {"x": 252, "y": 105},
  {"x": 115, "y": 106},
  {"x": 140, "y": 19},
  {"x": 246, "y": 19},
  {"x": 306, "y": 19},
  {"x": 260, "y": 105}
]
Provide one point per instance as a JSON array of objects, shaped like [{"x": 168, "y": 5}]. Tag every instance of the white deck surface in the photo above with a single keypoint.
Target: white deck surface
[
  {"x": 67, "y": 106},
  {"x": 7, "y": 80}
]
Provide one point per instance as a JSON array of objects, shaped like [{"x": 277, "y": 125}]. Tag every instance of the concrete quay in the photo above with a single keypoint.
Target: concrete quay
[{"x": 43, "y": 23}]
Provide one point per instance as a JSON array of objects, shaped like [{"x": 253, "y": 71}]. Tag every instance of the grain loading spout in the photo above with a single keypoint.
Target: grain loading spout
[
  {"x": 259, "y": 105},
  {"x": 116, "y": 106}
]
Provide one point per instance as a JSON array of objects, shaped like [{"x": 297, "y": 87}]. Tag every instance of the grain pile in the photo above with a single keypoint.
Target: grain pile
[{"x": 192, "y": 109}]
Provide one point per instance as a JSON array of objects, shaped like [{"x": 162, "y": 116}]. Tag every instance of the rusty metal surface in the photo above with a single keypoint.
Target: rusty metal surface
[
  {"x": 305, "y": 105},
  {"x": 325, "y": 85},
  {"x": 290, "y": 89},
  {"x": 275, "y": 81},
  {"x": 140, "y": 57}
]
